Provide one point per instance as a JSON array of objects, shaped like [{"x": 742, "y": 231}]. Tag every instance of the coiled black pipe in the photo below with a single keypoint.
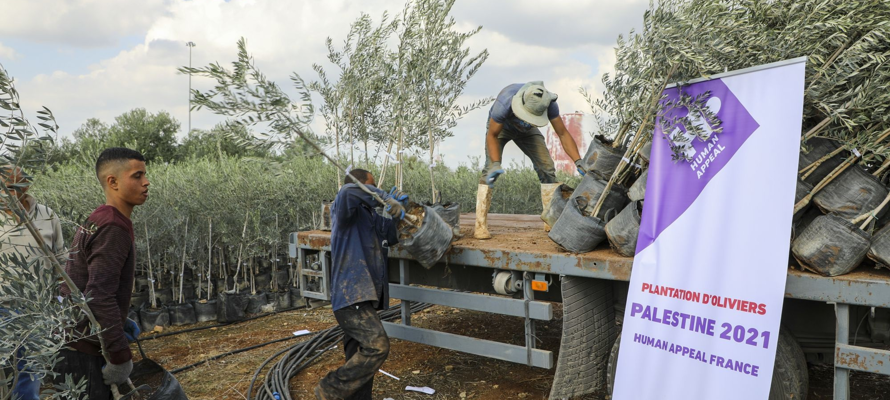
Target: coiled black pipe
[{"x": 297, "y": 357}]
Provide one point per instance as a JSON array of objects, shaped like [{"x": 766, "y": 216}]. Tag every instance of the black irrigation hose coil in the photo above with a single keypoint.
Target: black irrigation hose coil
[{"x": 276, "y": 384}]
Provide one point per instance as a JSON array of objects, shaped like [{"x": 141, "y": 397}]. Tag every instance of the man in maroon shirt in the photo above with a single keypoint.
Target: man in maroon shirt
[{"x": 102, "y": 264}]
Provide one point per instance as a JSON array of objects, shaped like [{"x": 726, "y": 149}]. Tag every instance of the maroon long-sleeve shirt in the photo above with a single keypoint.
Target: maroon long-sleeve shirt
[{"x": 102, "y": 264}]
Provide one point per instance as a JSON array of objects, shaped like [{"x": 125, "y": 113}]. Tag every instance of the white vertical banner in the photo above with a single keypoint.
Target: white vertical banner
[{"x": 705, "y": 300}]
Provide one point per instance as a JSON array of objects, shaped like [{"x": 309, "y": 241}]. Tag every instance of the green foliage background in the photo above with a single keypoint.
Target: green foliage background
[{"x": 228, "y": 188}]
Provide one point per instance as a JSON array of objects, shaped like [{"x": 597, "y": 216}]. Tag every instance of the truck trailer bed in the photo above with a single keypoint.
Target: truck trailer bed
[{"x": 519, "y": 243}]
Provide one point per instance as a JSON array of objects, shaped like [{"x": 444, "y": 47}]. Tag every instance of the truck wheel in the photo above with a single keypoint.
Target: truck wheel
[
  {"x": 790, "y": 377},
  {"x": 588, "y": 331}
]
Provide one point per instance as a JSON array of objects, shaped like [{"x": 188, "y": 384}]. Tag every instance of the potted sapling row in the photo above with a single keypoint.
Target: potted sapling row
[
  {"x": 205, "y": 309},
  {"x": 182, "y": 313},
  {"x": 152, "y": 316},
  {"x": 279, "y": 274},
  {"x": 231, "y": 304}
]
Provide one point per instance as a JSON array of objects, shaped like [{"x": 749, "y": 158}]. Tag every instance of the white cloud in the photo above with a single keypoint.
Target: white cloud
[
  {"x": 8, "y": 53},
  {"x": 565, "y": 44},
  {"x": 78, "y": 23}
]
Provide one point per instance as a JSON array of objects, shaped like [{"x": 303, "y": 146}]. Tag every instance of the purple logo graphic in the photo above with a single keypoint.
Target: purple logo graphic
[{"x": 673, "y": 185}]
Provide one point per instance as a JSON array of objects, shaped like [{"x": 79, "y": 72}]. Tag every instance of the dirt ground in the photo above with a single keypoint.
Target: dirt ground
[{"x": 452, "y": 374}]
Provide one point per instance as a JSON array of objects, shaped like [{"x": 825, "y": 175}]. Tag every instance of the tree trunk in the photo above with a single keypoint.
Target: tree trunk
[
  {"x": 151, "y": 278},
  {"x": 182, "y": 266},
  {"x": 240, "y": 251}
]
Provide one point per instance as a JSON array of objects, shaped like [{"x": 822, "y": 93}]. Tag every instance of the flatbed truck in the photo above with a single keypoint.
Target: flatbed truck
[{"x": 520, "y": 272}]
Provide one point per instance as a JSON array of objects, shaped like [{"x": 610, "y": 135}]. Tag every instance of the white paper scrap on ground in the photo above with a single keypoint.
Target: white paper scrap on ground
[
  {"x": 301, "y": 332},
  {"x": 389, "y": 375},
  {"x": 420, "y": 389}
]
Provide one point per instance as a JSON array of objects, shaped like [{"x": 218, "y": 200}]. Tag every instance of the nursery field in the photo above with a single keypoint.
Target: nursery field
[{"x": 452, "y": 374}]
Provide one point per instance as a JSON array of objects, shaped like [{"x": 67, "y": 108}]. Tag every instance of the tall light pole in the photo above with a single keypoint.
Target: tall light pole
[{"x": 190, "y": 45}]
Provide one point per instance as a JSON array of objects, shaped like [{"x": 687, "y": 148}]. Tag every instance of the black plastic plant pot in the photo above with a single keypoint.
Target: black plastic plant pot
[
  {"x": 591, "y": 188},
  {"x": 803, "y": 189},
  {"x": 182, "y": 314},
  {"x": 188, "y": 292},
  {"x": 831, "y": 246},
  {"x": 255, "y": 302},
  {"x": 141, "y": 283},
  {"x": 162, "y": 384},
  {"x": 205, "y": 310},
  {"x": 645, "y": 152},
  {"x": 623, "y": 230},
  {"x": 801, "y": 223},
  {"x": 296, "y": 299},
  {"x": 637, "y": 191},
  {"x": 263, "y": 281},
  {"x": 230, "y": 307},
  {"x": 139, "y": 299},
  {"x": 601, "y": 158},
  {"x": 879, "y": 251},
  {"x": 221, "y": 284},
  {"x": 151, "y": 318},
  {"x": 164, "y": 296},
  {"x": 576, "y": 232},
  {"x": 450, "y": 212},
  {"x": 815, "y": 149},
  {"x": 853, "y": 193},
  {"x": 283, "y": 276},
  {"x": 326, "y": 215},
  {"x": 557, "y": 204},
  {"x": 428, "y": 242},
  {"x": 282, "y": 300}
]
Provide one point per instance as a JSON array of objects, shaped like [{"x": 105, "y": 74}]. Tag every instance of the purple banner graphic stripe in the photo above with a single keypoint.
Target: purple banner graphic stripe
[{"x": 674, "y": 185}]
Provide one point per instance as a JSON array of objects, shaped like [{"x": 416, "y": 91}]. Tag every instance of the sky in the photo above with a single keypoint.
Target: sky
[{"x": 100, "y": 58}]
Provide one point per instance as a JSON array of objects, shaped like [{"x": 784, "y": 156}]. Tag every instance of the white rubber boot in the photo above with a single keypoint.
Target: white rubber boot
[
  {"x": 547, "y": 190},
  {"x": 483, "y": 202}
]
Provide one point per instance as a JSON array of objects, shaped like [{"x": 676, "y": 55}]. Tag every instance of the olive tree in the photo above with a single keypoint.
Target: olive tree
[{"x": 32, "y": 319}]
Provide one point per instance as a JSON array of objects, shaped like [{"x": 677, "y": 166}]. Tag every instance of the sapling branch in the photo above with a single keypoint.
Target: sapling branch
[
  {"x": 809, "y": 169},
  {"x": 871, "y": 214},
  {"x": 623, "y": 164}
]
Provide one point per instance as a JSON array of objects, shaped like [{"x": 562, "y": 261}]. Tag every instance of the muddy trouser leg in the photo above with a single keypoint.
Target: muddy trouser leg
[
  {"x": 83, "y": 366},
  {"x": 350, "y": 348},
  {"x": 361, "y": 323},
  {"x": 28, "y": 385},
  {"x": 534, "y": 146}
]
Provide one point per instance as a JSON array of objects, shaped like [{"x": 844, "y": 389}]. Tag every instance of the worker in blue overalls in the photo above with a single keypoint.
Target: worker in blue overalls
[{"x": 360, "y": 283}]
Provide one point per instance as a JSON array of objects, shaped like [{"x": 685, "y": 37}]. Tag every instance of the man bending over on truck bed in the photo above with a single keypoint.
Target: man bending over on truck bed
[
  {"x": 102, "y": 264},
  {"x": 360, "y": 283},
  {"x": 516, "y": 115}
]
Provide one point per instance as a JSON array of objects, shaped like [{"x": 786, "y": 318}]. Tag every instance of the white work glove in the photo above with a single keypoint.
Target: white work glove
[{"x": 117, "y": 374}]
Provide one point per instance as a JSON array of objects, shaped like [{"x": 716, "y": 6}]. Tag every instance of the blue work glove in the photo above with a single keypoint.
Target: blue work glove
[
  {"x": 580, "y": 164},
  {"x": 494, "y": 171},
  {"x": 131, "y": 330},
  {"x": 399, "y": 195},
  {"x": 394, "y": 209}
]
